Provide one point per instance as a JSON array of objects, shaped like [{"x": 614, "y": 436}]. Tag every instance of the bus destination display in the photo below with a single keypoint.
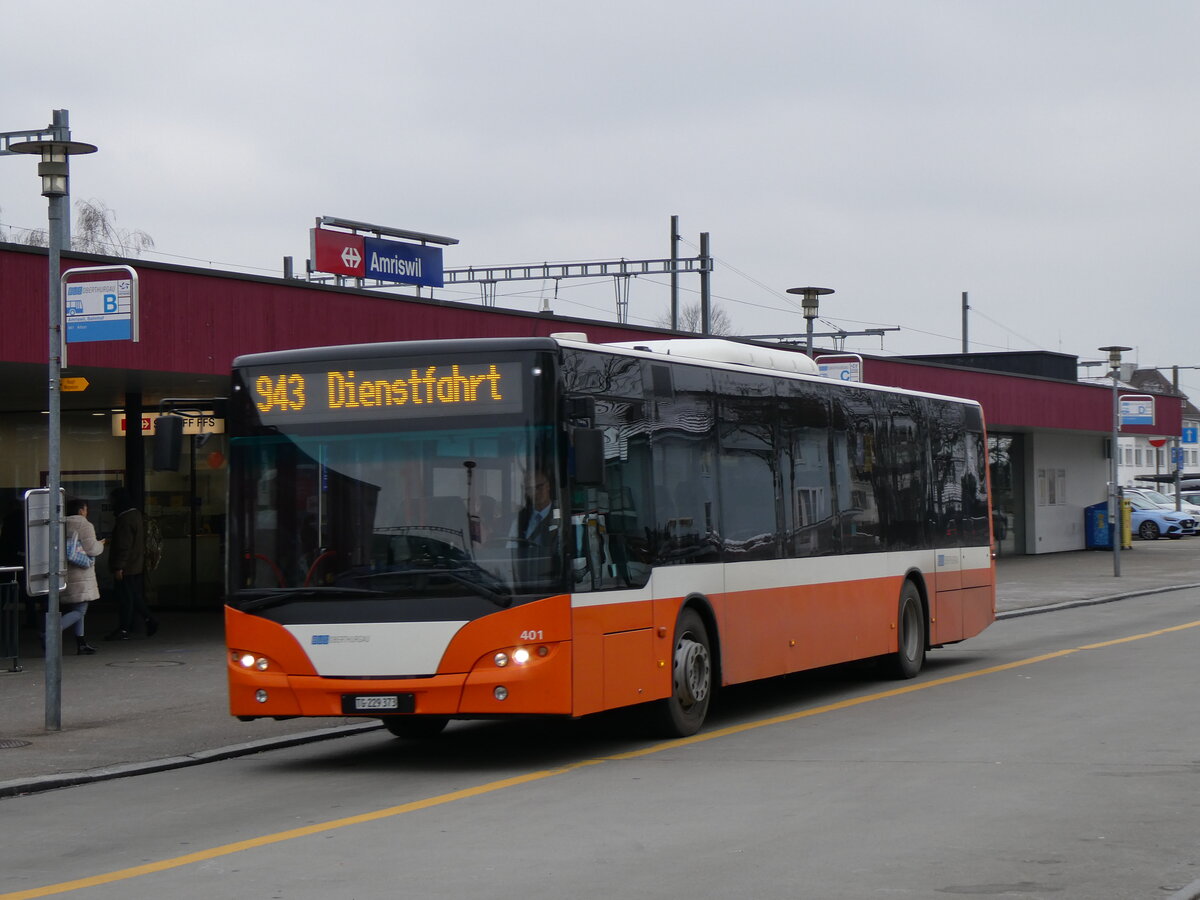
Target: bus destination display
[{"x": 420, "y": 390}]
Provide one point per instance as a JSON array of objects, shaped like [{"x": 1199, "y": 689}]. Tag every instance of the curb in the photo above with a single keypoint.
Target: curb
[
  {"x": 1091, "y": 601},
  {"x": 39, "y": 783}
]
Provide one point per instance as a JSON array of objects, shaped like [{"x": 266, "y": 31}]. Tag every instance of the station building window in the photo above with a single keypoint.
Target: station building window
[{"x": 188, "y": 505}]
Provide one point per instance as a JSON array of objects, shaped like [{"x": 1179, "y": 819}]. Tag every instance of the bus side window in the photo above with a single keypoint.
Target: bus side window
[
  {"x": 611, "y": 525},
  {"x": 857, "y": 472},
  {"x": 948, "y": 464},
  {"x": 806, "y": 470},
  {"x": 683, "y": 451}
]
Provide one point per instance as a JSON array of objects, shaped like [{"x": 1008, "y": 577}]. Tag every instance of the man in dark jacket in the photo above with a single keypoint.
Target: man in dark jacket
[
  {"x": 534, "y": 535},
  {"x": 126, "y": 561}
]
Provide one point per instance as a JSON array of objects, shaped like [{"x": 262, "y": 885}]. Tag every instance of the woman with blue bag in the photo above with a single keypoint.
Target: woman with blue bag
[{"x": 81, "y": 588}]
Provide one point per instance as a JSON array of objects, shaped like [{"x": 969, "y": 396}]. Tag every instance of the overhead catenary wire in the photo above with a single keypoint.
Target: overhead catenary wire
[
  {"x": 787, "y": 298},
  {"x": 975, "y": 310},
  {"x": 151, "y": 253}
]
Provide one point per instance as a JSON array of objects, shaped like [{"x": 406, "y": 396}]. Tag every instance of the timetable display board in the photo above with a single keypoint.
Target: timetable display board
[{"x": 361, "y": 390}]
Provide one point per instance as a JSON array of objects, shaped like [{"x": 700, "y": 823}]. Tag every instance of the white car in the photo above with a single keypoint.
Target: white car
[{"x": 1165, "y": 501}]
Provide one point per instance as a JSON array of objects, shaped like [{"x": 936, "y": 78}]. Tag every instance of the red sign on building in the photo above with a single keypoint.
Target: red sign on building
[{"x": 338, "y": 252}]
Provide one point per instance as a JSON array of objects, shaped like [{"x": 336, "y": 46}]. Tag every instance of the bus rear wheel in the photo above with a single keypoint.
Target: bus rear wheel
[
  {"x": 909, "y": 657},
  {"x": 415, "y": 727},
  {"x": 684, "y": 711}
]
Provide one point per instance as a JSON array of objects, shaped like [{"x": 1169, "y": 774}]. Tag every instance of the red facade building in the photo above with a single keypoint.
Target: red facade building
[{"x": 1049, "y": 434}]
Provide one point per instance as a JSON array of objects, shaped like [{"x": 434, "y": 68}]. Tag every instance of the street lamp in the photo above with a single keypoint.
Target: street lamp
[
  {"x": 1177, "y": 450},
  {"x": 1114, "y": 504},
  {"x": 54, "y": 170},
  {"x": 809, "y": 301}
]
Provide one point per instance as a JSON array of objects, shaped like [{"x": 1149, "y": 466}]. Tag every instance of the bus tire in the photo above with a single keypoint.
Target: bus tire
[
  {"x": 684, "y": 711},
  {"x": 415, "y": 728},
  {"x": 909, "y": 657}
]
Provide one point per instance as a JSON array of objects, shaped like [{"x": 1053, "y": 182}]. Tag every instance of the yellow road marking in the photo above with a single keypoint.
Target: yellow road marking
[{"x": 505, "y": 783}]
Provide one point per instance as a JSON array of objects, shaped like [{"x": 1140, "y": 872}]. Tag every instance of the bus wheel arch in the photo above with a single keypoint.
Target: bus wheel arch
[
  {"x": 694, "y": 672},
  {"x": 912, "y": 630},
  {"x": 703, "y": 608},
  {"x": 918, "y": 581}
]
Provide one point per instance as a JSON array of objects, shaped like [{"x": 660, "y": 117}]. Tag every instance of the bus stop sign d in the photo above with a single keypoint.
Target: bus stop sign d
[{"x": 1137, "y": 409}]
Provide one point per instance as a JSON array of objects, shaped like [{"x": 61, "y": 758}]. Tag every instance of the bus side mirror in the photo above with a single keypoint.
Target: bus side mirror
[
  {"x": 589, "y": 456},
  {"x": 168, "y": 443},
  {"x": 580, "y": 410}
]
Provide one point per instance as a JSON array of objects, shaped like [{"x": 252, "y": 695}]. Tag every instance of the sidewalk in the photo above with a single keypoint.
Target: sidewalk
[{"x": 157, "y": 703}]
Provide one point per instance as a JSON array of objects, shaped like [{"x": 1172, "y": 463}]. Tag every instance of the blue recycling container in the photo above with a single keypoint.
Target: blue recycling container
[{"x": 1096, "y": 533}]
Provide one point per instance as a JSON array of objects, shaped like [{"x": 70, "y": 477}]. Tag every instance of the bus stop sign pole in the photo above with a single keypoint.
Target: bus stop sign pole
[{"x": 54, "y": 170}]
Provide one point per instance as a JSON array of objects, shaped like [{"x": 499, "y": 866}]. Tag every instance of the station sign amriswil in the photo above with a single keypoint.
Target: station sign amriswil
[{"x": 359, "y": 256}]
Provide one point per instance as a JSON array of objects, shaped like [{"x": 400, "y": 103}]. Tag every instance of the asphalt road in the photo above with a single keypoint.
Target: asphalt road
[{"x": 1054, "y": 756}]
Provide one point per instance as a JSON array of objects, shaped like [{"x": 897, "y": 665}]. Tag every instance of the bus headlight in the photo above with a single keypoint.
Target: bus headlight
[
  {"x": 519, "y": 656},
  {"x": 249, "y": 660}
]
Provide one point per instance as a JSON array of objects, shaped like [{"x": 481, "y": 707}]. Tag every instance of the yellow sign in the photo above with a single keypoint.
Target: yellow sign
[{"x": 74, "y": 384}]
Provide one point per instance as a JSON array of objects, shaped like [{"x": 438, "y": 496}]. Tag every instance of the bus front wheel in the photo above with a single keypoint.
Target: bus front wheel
[
  {"x": 684, "y": 711},
  {"x": 910, "y": 635},
  {"x": 415, "y": 727}
]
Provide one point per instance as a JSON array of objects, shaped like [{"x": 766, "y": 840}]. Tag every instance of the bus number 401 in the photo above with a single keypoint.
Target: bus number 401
[{"x": 531, "y": 635}]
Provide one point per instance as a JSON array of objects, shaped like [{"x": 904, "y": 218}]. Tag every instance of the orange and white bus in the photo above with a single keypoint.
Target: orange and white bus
[{"x": 714, "y": 512}]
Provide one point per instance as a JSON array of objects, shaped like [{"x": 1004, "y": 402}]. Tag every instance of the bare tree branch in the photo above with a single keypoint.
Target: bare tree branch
[
  {"x": 719, "y": 321},
  {"x": 96, "y": 231},
  {"x": 31, "y": 237}
]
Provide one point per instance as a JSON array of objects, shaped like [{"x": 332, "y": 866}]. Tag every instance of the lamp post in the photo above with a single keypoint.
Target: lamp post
[
  {"x": 1178, "y": 442},
  {"x": 54, "y": 170},
  {"x": 1114, "y": 503},
  {"x": 808, "y": 302}
]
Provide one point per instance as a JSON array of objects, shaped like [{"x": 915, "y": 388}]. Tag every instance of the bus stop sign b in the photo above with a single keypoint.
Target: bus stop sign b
[{"x": 99, "y": 311}]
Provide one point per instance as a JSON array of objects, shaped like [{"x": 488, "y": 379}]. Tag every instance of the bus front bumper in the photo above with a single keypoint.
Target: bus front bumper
[{"x": 538, "y": 685}]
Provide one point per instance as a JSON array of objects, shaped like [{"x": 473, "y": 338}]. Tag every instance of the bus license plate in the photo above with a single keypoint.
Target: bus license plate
[{"x": 391, "y": 703}]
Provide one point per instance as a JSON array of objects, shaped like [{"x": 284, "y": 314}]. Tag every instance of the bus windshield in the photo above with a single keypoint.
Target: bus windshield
[{"x": 459, "y": 515}]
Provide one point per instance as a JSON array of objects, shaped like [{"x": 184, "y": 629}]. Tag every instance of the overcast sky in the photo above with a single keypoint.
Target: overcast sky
[{"x": 1041, "y": 156}]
